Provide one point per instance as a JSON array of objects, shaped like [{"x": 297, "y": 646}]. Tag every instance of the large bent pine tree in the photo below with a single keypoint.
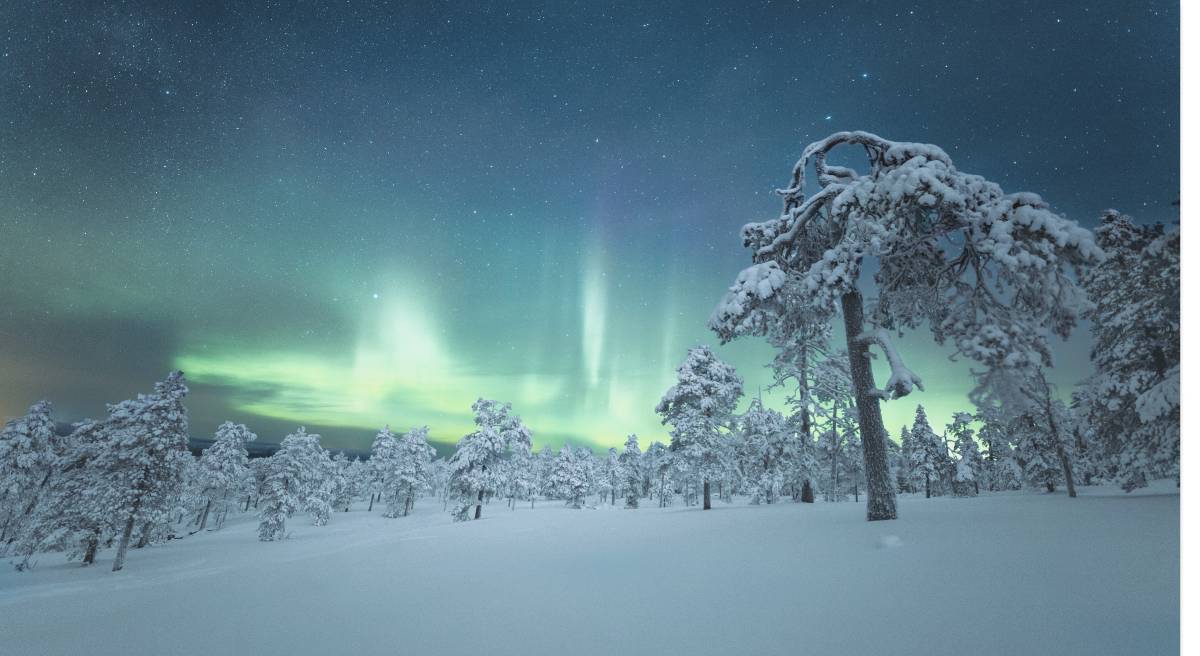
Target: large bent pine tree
[{"x": 985, "y": 271}]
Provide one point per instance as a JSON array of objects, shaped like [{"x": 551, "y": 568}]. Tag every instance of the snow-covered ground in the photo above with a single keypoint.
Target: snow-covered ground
[{"x": 1020, "y": 573}]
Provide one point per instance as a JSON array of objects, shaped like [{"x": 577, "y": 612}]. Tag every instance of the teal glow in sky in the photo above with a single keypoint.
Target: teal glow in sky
[{"x": 346, "y": 216}]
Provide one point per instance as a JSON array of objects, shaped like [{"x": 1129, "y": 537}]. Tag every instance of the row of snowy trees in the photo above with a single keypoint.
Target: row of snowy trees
[{"x": 129, "y": 480}]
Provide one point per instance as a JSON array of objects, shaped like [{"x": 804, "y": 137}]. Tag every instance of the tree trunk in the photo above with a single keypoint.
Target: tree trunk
[
  {"x": 126, "y": 533},
  {"x": 247, "y": 507},
  {"x": 881, "y": 496},
  {"x": 856, "y": 492},
  {"x": 372, "y": 504},
  {"x": 806, "y": 492},
  {"x": 833, "y": 478},
  {"x": 1058, "y": 445},
  {"x": 1066, "y": 467},
  {"x": 204, "y": 515},
  {"x": 145, "y": 537},
  {"x": 926, "y": 486},
  {"x": 707, "y": 496},
  {"x": 479, "y": 505},
  {"x": 89, "y": 554}
]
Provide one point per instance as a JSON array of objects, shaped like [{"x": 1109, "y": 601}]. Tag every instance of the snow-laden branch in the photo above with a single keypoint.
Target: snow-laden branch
[{"x": 903, "y": 379}]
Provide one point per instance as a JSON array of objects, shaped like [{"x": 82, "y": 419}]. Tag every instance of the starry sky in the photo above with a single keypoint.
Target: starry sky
[{"x": 349, "y": 214}]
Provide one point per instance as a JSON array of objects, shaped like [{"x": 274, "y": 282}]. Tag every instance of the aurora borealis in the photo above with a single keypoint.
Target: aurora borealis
[{"x": 349, "y": 215}]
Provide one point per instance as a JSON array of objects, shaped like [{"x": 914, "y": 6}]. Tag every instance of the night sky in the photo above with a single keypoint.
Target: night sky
[{"x": 349, "y": 214}]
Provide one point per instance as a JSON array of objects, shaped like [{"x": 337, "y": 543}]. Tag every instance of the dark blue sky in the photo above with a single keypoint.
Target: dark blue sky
[{"x": 342, "y": 215}]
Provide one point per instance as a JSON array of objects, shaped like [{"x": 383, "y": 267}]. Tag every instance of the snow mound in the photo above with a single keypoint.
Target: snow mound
[{"x": 890, "y": 542}]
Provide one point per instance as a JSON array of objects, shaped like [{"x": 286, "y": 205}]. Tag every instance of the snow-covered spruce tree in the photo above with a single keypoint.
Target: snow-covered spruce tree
[
  {"x": 573, "y": 476},
  {"x": 926, "y": 453},
  {"x": 968, "y": 468},
  {"x": 474, "y": 465},
  {"x": 224, "y": 470},
  {"x": 630, "y": 472},
  {"x": 1034, "y": 453},
  {"x": 699, "y": 408},
  {"x": 801, "y": 340},
  {"x": 985, "y": 270},
  {"x": 852, "y": 462},
  {"x": 765, "y": 448},
  {"x": 1134, "y": 393},
  {"x": 27, "y": 464},
  {"x": 145, "y": 459},
  {"x": 903, "y": 468},
  {"x": 803, "y": 461},
  {"x": 834, "y": 408}
]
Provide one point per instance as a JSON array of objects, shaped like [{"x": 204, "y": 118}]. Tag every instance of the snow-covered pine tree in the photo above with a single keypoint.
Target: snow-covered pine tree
[
  {"x": 630, "y": 472},
  {"x": 320, "y": 483},
  {"x": 1001, "y": 471},
  {"x": 296, "y": 477},
  {"x": 439, "y": 480},
  {"x": 474, "y": 465},
  {"x": 699, "y": 408},
  {"x": 765, "y": 438},
  {"x": 145, "y": 457},
  {"x": 574, "y": 474},
  {"x": 608, "y": 476},
  {"x": 1024, "y": 395},
  {"x": 520, "y": 476},
  {"x": 968, "y": 468},
  {"x": 985, "y": 270},
  {"x": 412, "y": 471},
  {"x": 926, "y": 452},
  {"x": 224, "y": 470},
  {"x": 1134, "y": 393},
  {"x": 73, "y": 514},
  {"x": 543, "y": 469},
  {"x": 382, "y": 465},
  {"x": 346, "y": 484},
  {"x": 27, "y": 464},
  {"x": 657, "y": 458}
]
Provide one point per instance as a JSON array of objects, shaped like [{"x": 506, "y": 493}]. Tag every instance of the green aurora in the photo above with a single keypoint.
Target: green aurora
[{"x": 375, "y": 217}]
